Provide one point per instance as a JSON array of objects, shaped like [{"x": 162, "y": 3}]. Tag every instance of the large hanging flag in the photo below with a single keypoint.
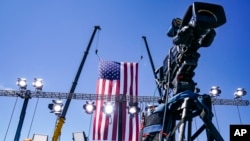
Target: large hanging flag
[{"x": 116, "y": 78}]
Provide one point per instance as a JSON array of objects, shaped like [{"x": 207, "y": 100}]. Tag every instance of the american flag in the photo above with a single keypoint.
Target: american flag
[{"x": 116, "y": 78}]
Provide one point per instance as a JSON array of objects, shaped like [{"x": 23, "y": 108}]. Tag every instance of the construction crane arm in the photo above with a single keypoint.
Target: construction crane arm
[{"x": 61, "y": 119}]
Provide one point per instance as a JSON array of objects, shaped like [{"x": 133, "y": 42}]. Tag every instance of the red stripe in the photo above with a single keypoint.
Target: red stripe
[
  {"x": 106, "y": 121},
  {"x": 95, "y": 115},
  {"x": 101, "y": 115},
  {"x": 115, "y": 121},
  {"x": 131, "y": 94}
]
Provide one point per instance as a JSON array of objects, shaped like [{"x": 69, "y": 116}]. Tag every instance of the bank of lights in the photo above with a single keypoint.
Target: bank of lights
[
  {"x": 239, "y": 93},
  {"x": 22, "y": 83}
]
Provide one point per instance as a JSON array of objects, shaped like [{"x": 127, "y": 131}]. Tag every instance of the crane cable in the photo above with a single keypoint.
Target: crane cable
[
  {"x": 10, "y": 119},
  {"x": 97, "y": 44},
  {"x": 33, "y": 116},
  {"x": 216, "y": 118},
  {"x": 91, "y": 118}
]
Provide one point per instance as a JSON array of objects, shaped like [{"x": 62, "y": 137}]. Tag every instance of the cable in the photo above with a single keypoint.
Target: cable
[
  {"x": 97, "y": 45},
  {"x": 10, "y": 119},
  {"x": 90, "y": 123},
  {"x": 141, "y": 57},
  {"x": 216, "y": 118},
  {"x": 33, "y": 116},
  {"x": 239, "y": 114}
]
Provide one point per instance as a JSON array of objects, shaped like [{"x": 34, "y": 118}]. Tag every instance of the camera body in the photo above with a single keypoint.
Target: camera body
[{"x": 196, "y": 29}]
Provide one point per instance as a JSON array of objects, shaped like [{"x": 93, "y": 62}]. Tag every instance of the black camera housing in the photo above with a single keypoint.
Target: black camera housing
[{"x": 196, "y": 29}]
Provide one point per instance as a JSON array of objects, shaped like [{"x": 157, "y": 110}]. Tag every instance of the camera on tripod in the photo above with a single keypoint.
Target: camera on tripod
[{"x": 196, "y": 29}]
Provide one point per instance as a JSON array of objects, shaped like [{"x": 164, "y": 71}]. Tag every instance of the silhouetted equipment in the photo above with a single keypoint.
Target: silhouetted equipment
[{"x": 195, "y": 30}]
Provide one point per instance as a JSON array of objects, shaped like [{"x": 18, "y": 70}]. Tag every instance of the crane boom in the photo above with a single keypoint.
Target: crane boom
[
  {"x": 61, "y": 119},
  {"x": 152, "y": 64}
]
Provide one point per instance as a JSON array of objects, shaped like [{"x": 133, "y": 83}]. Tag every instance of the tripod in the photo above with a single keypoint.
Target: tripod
[{"x": 183, "y": 107}]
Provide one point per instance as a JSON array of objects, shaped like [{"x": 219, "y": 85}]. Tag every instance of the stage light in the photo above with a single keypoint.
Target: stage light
[
  {"x": 89, "y": 107},
  {"x": 240, "y": 92},
  {"x": 22, "y": 83},
  {"x": 215, "y": 91},
  {"x": 133, "y": 109},
  {"x": 38, "y": 83},
  {"x": 108, "y": 108},
  {"x": 56, "y": 107}
]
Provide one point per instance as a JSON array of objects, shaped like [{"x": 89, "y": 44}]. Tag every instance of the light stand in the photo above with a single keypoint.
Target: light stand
[{"x": 26, "y": 95}]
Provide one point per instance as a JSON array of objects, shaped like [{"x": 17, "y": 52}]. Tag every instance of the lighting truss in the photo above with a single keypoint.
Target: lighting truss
[
  {"x": 82, "y": 96},
  {"x": 117, "y": 98}
]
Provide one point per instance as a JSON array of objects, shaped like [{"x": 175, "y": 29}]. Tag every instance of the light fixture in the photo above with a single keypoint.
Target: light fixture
[
  {"x": 22, "y": 83},
  {"x": 133, "y": 108},
  {"x": 108, "y": 108},
  {"x": 240, "y": 92},
  {"x": 89, "y": 107},
  {"x": 38, "y": 83},
  {"x": 215, "y": 91},
  {"x": 56, "y": 107}
]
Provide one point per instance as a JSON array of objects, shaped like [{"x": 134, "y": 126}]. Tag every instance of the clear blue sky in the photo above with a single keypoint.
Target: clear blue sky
[{"x": 47, "y": 39}]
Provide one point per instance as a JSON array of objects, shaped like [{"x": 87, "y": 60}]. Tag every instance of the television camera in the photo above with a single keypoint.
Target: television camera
[{"x": 195, "y": 30}]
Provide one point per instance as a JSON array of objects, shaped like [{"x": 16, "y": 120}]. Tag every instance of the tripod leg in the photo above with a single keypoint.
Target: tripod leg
[
  {"x": 185, "y": 117},
  {"x": 206, "y": 116},
  {"x": 189, "y": 130}
]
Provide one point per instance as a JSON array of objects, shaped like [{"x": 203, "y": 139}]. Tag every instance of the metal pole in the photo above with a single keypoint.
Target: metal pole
[
  {"x": 152, "y": 64},
  {"x": 120, "y": 119},
  {"x": 61, "y": 119},
  {"x": 22, "y": 115}
]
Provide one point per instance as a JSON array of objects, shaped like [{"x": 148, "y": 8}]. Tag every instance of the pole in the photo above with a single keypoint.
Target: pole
[
  {"x": 120, "y": 119},
  {"x": 61, "y": 119},
  {"x": 22, "y": 115},
  {"x": 152, "y": 64}
]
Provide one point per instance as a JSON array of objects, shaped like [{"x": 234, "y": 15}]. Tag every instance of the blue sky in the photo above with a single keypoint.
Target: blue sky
[{"x": 47, "y": 39}]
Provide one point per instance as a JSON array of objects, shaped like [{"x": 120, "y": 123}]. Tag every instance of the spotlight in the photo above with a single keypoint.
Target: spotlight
[
  {"x": 215, "y": 91},
  {"x": 22, "y": 83},
  {"x": 133, "y": 109},
  {"x": 108, "y": 108},
  {"x": 38, "y": 83},
  {"x": 240, "y": 92},
  {"x": 56, "y": 107},
  {"x": 89, "y": 107}
]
